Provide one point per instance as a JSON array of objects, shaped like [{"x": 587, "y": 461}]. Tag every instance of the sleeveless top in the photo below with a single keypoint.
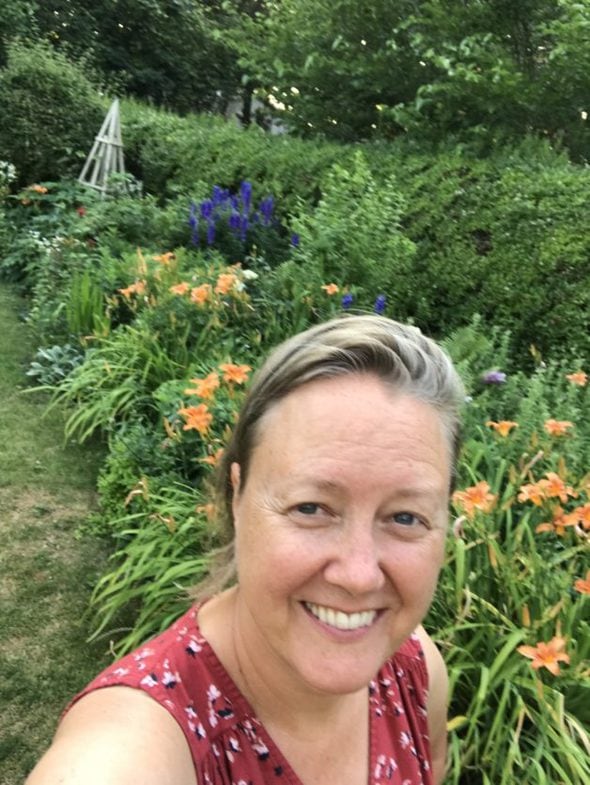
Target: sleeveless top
[{"x": 230, "y": 746}]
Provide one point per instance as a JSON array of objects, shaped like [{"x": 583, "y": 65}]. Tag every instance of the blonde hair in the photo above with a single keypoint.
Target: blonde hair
[{"x": 400, "y": 355}]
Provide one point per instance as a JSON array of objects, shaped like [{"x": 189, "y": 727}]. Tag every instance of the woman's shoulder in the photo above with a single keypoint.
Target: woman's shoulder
[
  {"x": 115, "y": 736},
  {"x": 179, "y": 670}
]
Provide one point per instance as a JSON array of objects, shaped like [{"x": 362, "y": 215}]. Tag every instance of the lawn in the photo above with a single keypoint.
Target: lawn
[{"x": 46, "y": 571}]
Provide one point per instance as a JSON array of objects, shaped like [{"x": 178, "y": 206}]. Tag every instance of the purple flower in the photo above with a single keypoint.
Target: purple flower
[
  {"x": 206, "y": 208},
  {"x": 210, "y": 233},
  {"x": 380, "y": 303},
  {"x": 266, "y": 208},
  {"x": 243, "y": 227},
  {"x": 246, "y": 194},
  {"x": 295, "y": 240},
  {"x": 234, "y": 222},
  {"x": 347, "y": 301},
  {"x": 494, "y": 377}
]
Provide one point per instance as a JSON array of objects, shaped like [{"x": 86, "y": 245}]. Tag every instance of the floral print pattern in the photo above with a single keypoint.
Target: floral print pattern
[{"x": 230, "y": 746}]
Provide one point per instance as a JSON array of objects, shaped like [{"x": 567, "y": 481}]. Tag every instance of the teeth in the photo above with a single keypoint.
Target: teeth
[{"x": 340, "y": 620}]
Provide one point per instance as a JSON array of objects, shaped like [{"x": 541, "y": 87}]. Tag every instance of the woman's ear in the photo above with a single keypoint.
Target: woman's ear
[{"x": 235, "y": 481}]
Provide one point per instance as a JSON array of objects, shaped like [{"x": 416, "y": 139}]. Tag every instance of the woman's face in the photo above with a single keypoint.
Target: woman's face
[{"x": 340, "y": 530}]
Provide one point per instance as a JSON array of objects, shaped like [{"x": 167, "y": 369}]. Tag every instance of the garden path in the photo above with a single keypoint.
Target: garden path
[{"x": 46, "y": 571}]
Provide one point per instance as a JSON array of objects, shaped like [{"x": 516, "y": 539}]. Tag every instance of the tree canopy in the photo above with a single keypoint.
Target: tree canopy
[{"x": 471, "y": 71}]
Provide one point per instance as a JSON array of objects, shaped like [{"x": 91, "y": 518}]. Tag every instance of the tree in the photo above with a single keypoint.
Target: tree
[
  {"x": 164, "y": 51},
  {"x": 329, "y": 64},
  {"x": 16, "y": 20},
  {"x": 468, "y": 70}
]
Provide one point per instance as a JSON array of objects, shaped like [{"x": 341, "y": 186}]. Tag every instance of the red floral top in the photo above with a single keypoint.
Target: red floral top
[{"x": 228, "y": 743}]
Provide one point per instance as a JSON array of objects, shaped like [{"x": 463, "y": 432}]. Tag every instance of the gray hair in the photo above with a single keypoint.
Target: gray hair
[{"x": 400, "y": 355}]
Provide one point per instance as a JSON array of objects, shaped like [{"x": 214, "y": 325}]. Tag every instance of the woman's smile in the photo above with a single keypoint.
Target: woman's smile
[{"x": 339, "y": 619}]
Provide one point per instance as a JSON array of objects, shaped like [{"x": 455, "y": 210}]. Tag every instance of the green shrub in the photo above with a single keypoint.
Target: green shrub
[
  {"x": 353, "y": 235},
  {"x": 506, "y": 239},
  {"x": 51, "y": 112},
  {"x": 173, "y": 155}
]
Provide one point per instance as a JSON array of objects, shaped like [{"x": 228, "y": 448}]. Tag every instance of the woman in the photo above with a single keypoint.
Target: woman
[{"x": 312, "y": 667}]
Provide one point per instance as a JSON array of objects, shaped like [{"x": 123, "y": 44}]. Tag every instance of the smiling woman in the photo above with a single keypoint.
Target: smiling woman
[{"x": 304, "y": 660}]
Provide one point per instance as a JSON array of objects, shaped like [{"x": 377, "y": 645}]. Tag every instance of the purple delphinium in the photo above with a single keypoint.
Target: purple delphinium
[
  {"x": 234, "y": 222},
  {"x": 246, "y": 194},
  {"x": 494, "y": 377},
  {"x": 206, "y": 208},
  {"x": 235, "y": 209},
  {"x": 243, "y": 227},
  {"x": 380, "y": 303},
  {"x": 295, "y": 240},
  {"x": 347, "y": 301},
  {"x": 266, "y": 208}
]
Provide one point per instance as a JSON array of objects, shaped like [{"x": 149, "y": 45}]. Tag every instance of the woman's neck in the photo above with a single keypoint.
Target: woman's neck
[{"x": 279, "y": 697}]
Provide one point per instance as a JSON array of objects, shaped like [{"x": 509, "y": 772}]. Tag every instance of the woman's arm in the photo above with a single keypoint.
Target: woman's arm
[
  {"x": 116, "y": 736},
  {"x": 438, "y": 695}
]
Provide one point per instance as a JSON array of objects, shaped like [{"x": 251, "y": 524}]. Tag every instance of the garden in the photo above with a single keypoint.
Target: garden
[{"x": 149, "y": 309}]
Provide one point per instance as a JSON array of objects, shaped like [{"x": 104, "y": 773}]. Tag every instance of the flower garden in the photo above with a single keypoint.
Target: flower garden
[{"x": 151, "y": 310}]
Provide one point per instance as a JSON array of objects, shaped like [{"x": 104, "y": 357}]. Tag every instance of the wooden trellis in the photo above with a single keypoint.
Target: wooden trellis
[{"x": 106, "y": 156}]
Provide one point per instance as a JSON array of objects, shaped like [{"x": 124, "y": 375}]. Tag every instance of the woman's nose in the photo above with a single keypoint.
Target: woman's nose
[{"x": 355, "y": 564}]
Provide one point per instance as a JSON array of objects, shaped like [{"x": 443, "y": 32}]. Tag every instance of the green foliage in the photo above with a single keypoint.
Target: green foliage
[
  {"x": 481, "y": 73},
  {"x": 509, "y": 581},
  {"x": 51, "y": 112},
  {"x": 188, "y": 155},
  {"x": 353, "y": 237},
  {"x": 16, "y": 21},
  {"x": 52, "y": 364},
  {"x": 159, "y": 558},
  {"x": 330, "y": 64},
  {"x": 503, "y": 239},
  {"x": 163, "y": 51}
]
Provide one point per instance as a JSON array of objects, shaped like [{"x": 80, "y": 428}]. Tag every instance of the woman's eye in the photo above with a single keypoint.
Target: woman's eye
[
  {"x": 406, "y": 518},
  {"x": 308, "y": 508}
]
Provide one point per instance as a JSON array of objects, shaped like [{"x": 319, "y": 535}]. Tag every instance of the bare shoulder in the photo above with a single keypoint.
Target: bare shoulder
[
  {"x": 437, "y": 670},
  {"x": 438, "y": 696},
  {"x": 115, "y": 736}
]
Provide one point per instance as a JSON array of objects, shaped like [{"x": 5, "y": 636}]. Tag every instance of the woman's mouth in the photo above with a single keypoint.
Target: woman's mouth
[{"x": 340, "y": 620}]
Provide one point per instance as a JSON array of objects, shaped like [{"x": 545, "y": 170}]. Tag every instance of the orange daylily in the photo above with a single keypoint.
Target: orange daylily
[
  {"x": 554, "y": 487},
  {"x": 236, "y": 374},
  {"x": 138, "y": 288},
  {"x": 583, "y": 584},
  {"x": 503, "y": 427},
  {"x": 225, "y": 283},
  {"x": 331, "y": 288},
  {"x": 212, "y": 460},
  {"x": 561, "y": 519},
  {"x": 164, "y": 258},
  {"x": 557, "y": 427},
  {"x": 533, "y": 492},
  {"x": 38, "y": 189},
  {"x": 180, "y": 288},
  {"x": 582, "y": 516},
  {"x": 200, "y": 294},
  {"x": 546, "y": 655},
  {"x": 579, "y": 377},
  {"x": 477, "y": 497},
  {"x": 204, "y": 388},
  {"x": 198, "y": 418}
]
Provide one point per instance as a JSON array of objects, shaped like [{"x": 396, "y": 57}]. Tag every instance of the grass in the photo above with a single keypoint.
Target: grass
[{"x": 46, "y": 569}]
